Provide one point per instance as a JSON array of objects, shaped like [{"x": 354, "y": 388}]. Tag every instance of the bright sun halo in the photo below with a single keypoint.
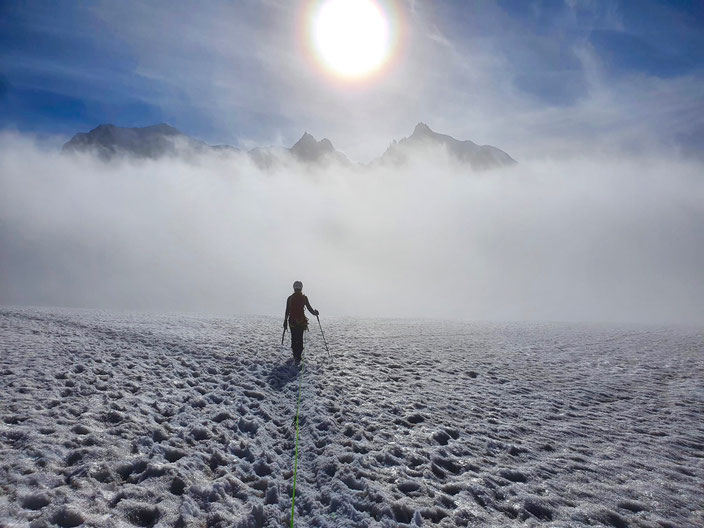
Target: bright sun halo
[{"x": 351, "y": 37}]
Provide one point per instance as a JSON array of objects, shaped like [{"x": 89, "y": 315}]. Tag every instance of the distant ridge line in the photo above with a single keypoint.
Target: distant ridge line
[{"x": 109, "y": 141}]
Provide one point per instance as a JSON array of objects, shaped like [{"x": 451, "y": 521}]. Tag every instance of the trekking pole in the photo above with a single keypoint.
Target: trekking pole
[{"x": 323, "y": 333}]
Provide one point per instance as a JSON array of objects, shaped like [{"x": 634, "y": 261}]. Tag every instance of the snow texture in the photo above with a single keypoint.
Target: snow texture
[{"x": 123, "y": 419}]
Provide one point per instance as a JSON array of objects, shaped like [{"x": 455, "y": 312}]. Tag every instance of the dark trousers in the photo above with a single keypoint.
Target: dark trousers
[{"x": 297, "y": 341}]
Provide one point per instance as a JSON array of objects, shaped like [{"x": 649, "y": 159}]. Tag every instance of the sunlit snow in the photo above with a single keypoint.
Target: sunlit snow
[{"x": 124, "y": 419}]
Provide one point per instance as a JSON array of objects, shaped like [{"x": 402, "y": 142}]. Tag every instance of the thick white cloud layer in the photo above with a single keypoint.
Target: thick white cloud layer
[{"x": 579, "y": 239}]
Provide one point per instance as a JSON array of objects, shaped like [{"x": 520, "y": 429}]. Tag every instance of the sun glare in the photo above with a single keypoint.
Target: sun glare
[{"x": 351, "y": 38}]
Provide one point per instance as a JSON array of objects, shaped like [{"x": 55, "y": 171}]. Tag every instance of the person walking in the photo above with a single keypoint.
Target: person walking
[{"x": 295, "y": 318}]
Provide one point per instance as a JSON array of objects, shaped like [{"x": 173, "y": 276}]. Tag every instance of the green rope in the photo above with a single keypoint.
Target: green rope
[{"x": 295, "y": 463}]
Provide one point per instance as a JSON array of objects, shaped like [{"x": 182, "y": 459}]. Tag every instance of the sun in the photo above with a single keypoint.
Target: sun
[{"x": 351, "y": 38}]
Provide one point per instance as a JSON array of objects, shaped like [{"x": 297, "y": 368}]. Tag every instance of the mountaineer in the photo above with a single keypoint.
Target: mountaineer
[{"x": 295, "y": 318}]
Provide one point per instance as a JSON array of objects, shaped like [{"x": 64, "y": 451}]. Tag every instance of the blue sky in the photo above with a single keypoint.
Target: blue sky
[{"x": 545, "y": 76}]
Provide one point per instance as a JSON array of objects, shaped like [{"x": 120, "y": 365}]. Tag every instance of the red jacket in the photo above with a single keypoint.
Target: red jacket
[{"x": 294, "y": 309}]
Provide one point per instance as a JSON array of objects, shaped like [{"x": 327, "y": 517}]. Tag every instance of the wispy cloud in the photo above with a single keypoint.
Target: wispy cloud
[{"x": 533, "y": 78}]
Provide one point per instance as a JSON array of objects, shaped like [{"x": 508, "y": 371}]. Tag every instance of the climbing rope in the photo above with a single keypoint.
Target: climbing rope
[{"x": 295, "y": 457}]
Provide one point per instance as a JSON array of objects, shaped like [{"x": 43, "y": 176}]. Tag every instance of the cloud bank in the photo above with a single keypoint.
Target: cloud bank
[{"x": 618, "y": 239}]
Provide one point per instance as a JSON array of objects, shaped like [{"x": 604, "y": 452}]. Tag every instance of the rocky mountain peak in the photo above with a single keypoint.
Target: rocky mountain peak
[
  {"x": 309, "y": 149},
  {"x": 478, "y": 157},
  {"x": 422, "y": 130},
  {"x": 108, "y": 141}
]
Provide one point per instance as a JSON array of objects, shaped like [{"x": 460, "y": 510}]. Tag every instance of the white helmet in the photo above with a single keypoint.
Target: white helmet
[{"x": 298, "y": 285}]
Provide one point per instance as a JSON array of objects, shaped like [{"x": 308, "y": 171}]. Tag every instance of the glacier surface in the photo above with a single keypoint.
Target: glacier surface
[{"x": 119, "y": 419}]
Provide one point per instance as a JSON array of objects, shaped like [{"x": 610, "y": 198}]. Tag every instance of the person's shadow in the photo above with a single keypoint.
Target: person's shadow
[{"x": 282, "y": 375}]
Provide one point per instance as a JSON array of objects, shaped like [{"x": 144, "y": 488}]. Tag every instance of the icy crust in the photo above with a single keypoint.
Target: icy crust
[{"x": 125, "y": 420}]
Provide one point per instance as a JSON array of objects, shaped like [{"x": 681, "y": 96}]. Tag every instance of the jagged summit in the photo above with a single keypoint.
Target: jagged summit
[
  {"x": 307, "y": 141},
  {"x": 422, "y": 130},
  {"x": 108, "y": 141},
  {"x": 478, "y": 157},
  {"x": 308, "y": 149},
  {"x": 154, "y": 141}
]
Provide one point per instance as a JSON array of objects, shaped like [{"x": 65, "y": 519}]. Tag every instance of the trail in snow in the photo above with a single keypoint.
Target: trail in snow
[{"x": 110, "y": 419}]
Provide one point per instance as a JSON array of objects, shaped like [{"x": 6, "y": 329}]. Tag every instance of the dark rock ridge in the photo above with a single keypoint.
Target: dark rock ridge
[
  {"x": 479, "y": 157},
  {"x": 308, "y": 149},
  {"x": 156, "y": 141}
]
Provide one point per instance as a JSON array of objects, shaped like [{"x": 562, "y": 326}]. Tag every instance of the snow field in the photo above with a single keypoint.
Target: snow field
[{"x": 114, "y": 419}]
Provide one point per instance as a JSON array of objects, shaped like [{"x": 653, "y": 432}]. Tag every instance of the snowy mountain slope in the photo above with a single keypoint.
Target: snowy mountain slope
[
  {"x": 113, "y": 419},
  {"x": 479, "y": 157}
]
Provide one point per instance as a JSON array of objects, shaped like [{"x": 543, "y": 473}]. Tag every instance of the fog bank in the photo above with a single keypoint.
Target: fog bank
[{"x": 617, "y": 239}]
